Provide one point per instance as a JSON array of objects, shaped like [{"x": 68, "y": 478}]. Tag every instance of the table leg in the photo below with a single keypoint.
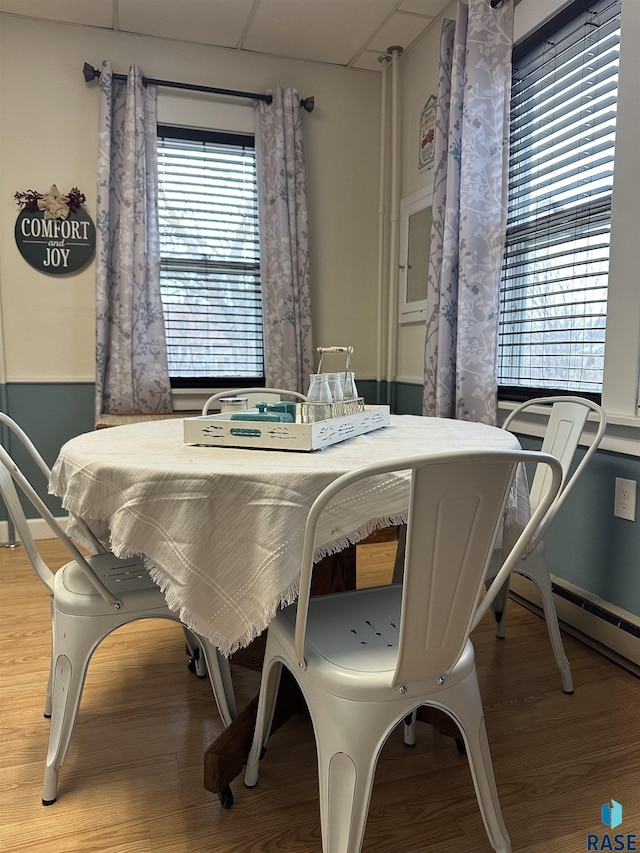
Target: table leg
[{"x": 227, "y": 755}]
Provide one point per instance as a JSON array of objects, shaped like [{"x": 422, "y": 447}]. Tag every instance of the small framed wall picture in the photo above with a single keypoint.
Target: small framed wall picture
[{"x": 426, "y": 143}]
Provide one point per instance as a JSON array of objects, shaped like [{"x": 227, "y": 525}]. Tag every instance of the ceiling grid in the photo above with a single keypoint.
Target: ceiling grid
[{"x": 346, "y": 33}]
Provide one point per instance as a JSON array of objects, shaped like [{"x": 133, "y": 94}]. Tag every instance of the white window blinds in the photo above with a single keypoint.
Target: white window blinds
[
  {"x": 210, "y": 261},
  {"x": 554, "y": 282}
]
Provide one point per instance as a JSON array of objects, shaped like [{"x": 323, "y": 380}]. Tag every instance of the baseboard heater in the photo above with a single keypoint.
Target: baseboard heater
[{"x": 608, "y": 629}]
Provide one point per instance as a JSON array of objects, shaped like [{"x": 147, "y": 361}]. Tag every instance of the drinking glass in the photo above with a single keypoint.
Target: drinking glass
[
  {"x": 233, "y": 404},
  {"x": 319, "y": 398},
  {"x": 349, "y": 385},
  {"x": 335, "y": 386}
]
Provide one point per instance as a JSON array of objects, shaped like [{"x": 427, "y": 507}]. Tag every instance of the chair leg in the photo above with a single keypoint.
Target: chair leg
[
  {"x": 499, "y": 609},
  {"x": 74, "y": 640},
  {"x": 221, "y": 683},
  {"x": 197, "y": 662},
  {"x": 348, "y": 742},
  {"x": 349, "y": 736},
  {"x": 68, "y": 681},
  {"x": 410, "y": 729},
  {"x": 535, "y": 568},
  {"x": 47, "y": 698},
  {"x": 466, "y": 704},
  {"x": 269, "y": 684}
]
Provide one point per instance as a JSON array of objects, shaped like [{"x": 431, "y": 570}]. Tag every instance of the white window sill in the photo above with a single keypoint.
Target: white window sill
[
  {"x": 622, "y": 435},
  {"x": 190, "y": 399}
]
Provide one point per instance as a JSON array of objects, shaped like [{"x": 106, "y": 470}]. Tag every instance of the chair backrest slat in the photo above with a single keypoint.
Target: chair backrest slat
[
  {"x": 455, "y": 513},
  {"x": 567, "y": 418},
  {"x": 561, "y": 438}
]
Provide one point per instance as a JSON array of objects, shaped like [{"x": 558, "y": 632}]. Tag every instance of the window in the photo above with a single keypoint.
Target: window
[
  {"x": 210, "y": 261},
  {"x": 553, "y": 300}
]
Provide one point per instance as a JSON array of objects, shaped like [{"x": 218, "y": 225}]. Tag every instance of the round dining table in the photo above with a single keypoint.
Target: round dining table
[{"x": 221, "y": 529}]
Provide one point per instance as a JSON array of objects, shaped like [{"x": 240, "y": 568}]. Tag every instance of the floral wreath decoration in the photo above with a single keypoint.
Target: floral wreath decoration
[{"x": 53, "y": 203}]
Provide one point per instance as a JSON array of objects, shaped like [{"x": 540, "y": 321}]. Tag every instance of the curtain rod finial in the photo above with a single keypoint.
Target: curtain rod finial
[
  {"x": 90, "y": 73},
  {"x": 308, "y": 103}
]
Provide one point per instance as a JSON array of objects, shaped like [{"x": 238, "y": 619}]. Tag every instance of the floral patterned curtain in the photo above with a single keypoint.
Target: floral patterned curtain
[
  {"x": 469, "y": 213},
  {"x": 131, "y": 355},
  {"x": 284, "y": 242}
]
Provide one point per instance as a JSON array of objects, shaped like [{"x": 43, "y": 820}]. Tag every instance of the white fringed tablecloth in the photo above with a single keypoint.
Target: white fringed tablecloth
[{"x": 221, "y": 529}]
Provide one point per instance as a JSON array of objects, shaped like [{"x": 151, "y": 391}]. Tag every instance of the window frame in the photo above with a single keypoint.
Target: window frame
[
  {"x": 224, "y": 137},
  {"x": 544, "y": 32}
]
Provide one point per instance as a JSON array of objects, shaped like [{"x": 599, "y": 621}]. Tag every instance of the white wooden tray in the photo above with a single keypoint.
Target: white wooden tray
[{"x": 219, "y": 431}]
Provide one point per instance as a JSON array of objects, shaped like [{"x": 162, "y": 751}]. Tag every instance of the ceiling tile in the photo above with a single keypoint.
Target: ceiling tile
[
  {"x": 219, "y": 22},
  {"x": 97, "y": 13},
  {"x": 430, "y": 8},
  {"x": 368, "y": 60},
  {"x": 325, "y": 30},
  {"x": 401, "y": 29},
  {"x": 343, "y": 32}
]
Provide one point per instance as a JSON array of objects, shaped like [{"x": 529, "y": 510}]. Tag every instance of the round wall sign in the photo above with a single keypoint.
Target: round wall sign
[{"x": 56, "y": 246}]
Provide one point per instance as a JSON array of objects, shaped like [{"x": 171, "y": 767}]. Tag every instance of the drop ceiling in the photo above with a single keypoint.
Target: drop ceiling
[{"x": 349, "y": 33}]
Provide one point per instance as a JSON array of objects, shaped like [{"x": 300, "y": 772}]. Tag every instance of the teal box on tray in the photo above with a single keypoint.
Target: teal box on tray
[{"x": 270, "y": 412}]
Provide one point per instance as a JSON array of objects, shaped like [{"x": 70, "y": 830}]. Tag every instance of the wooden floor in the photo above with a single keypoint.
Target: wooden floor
[{"x": 132, "y": 780}]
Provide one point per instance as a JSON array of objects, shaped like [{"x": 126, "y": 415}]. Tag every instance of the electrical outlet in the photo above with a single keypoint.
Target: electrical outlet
[{"x": 625, "y": 499}]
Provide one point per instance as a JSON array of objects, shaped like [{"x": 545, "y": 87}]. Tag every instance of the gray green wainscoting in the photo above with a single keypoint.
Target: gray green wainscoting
[
  {"x": 589, "y": 547},
  {"x": 404, "y": 398},
  {"x": 50, "y": 413}
]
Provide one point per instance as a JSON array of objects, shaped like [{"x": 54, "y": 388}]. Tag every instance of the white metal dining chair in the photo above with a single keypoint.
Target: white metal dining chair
[
  {"x": 367, "y": 658},
  {"x": 565, "y": 418},
  {"x": 90, "y": 597},
  {"x": 246, "y": 392}
]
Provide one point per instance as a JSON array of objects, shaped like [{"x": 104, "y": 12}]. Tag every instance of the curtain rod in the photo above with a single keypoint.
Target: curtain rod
[{"x": 90, "y": 73}]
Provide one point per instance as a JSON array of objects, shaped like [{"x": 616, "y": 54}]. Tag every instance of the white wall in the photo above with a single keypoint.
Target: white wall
[
  {"x": 48, "y": 133},
  {"x": 419, "y": 80}
]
